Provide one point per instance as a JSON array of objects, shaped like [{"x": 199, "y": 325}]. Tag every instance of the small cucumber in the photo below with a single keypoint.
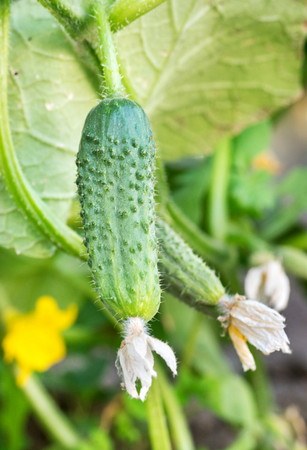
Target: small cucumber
[
  {"x": 184, "y": 274},
  {"x": 115, "y": 165}
]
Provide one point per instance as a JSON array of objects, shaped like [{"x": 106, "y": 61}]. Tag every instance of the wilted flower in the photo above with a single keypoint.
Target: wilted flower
[
  {"x": 135, "y": 360},
  {"x": 268, "y": 283},
  {"x": 33, "y": 340},
  {"x": 253, "y": 322}
]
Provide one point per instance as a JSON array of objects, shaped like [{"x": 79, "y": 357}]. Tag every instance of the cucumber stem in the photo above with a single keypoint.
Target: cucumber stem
[
  {"x": 73, "y": 24},
  {"x": 107, "y": 54}
]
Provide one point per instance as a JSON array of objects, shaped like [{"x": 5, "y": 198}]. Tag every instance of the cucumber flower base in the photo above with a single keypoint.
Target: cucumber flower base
[
  {"x": 269, "y": 284},
  {"x": 135, "y": 359},
  {"x": 253, "y": 322},
  {"x": 33, "y": 340}
]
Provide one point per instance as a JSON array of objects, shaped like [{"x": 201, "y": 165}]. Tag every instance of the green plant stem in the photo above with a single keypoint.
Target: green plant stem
[
  {"x": 179, "y": 428},
  {"x": 106, "y": 53},
  {"x": 218, "y": 211},
  {"x": 298, "y": 240},
  {"x": 207, "y": 247},
  {"x": 73, "y": 24},
  {"x": 158, "y": 430},
  {"x": 18, "y": 187},
  {"x": 123, "y": 12},
  {"x": 49, "y": 414}
]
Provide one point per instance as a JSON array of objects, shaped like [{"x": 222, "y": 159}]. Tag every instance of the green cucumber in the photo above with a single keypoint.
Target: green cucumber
[
  {"x": 115, "y": 166},
  {"x": 184, "y": 274}
]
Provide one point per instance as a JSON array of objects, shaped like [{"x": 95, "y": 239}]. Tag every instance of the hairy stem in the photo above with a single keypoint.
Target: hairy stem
[
  {"x": 73, "y": 24},
  {"x": 106, "y": 53},
  {"x": 123, "y": 12},
  {"x": 48, "y": 413},
  {"x": 17, "y": 185}
]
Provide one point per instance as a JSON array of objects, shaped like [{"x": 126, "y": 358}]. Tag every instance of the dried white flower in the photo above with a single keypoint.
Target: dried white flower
[
  {"x": 135, "y": 360},
  {"x": 253, "y": 322},
  {"x": 268, "y": 283}
]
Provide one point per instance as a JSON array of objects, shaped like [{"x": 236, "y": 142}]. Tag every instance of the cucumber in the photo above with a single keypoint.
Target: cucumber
[
  {"x": 115, "y": 166},
  {"x": 184, "y": 274}
]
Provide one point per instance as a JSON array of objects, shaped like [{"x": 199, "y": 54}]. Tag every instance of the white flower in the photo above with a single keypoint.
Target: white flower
[
  {"x": 135, "y": 360},
  {"x": 268, "y": 283},
  {"x": 253, "y": 322}
]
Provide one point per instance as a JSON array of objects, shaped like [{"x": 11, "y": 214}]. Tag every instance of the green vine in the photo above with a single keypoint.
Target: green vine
[
  {"x": 73, "y": 24},
  {"x": 106, "y": 52}
]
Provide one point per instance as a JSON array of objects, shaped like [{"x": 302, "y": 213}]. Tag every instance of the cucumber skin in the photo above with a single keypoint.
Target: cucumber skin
[
  {"x": 115, "y": 166},
  {"x": 186, "y": 275}
]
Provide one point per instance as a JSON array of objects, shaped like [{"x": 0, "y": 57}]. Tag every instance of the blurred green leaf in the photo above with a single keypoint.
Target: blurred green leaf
[
  {"x": 228, "y": 396},
  {"x": 126, "y": 430},
  {"x": 251, "y": 193},
  {"x": 212, "y": 68},
  {"x": 25, "y": 279},
  {"x": 98, "y": 439},
  {"x": 179, "y": 322},
  {"x": 251, "y": 190},
  {"x": 252, "y": 141},
  {"x": 13, "y": 413},
  {"x": 292, "y": 204},
  {"x": 189, "y": 181},
  {"x": 218, "y": 395}
]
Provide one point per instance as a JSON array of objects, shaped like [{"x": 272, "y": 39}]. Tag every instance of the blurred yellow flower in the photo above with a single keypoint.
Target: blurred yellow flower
[
  {"x": 33, "y": 340},
  {"x": 267, "y": 162}
]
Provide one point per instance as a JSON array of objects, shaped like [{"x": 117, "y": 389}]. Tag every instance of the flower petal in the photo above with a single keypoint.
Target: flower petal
[
  {"x": 135, "y": 360},
  {"x": 268, "y": 283},
  {"x": 241, "y": 347},
  {"x": 165, "y": 351},
  {"x": 125, "y": 369}
]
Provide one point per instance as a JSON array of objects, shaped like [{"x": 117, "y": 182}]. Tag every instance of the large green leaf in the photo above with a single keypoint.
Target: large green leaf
[
  {"x": 50, "y": 95},
  {"x": 205, "y": 69},
  {"x": 201, "y": 69}
]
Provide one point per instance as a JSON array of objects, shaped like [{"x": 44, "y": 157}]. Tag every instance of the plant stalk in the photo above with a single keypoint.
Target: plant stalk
[
  {"x": 179, "y": 428},
  {"x": 218, "y": 210},
  {"x": 106, "y": 53},
  {"x": 73, "y": 24},
  {"x": 48, "y": 413},
  {"x": 158, "y": 430}
]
